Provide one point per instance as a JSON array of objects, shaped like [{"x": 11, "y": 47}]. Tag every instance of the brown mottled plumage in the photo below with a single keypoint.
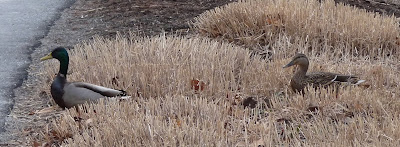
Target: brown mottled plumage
[{"x": 301, "y": 78}]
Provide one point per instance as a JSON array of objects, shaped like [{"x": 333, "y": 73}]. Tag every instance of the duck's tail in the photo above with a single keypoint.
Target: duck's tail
[
  {"x": 124, "y": 95},
  {"x": 359, "y": 82}
]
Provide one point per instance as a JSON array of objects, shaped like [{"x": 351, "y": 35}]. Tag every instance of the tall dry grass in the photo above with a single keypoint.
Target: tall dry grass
[
  {"x": 168, "y": 112},
  {"x": 165, "y": 110},
  {"x": 162, "y": 65},
  {"x": 327, "y": 26}
]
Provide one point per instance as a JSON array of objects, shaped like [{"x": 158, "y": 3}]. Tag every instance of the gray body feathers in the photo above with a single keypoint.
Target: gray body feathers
[{"x": 68, "y": 95}]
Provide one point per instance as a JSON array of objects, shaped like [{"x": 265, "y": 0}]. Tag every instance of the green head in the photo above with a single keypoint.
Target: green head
[
  {"x": 61, "y": 55},
  {"x": 58, "y": 53}
]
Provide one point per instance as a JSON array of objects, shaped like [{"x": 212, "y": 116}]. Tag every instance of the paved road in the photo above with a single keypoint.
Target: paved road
[{"x": 22, "y": 24}]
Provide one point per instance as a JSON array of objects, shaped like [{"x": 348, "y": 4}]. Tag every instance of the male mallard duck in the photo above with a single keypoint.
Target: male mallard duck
[
  {"x": 70, "y": 94},
  {"x": 301, "y": 78}
]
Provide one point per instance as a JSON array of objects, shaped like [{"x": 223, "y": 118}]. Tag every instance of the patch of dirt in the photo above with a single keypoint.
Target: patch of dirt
[
  {"x": 86, "y": 18},
  {"x": 147, "y": 18},
  {"x": 387, "y": 7}
]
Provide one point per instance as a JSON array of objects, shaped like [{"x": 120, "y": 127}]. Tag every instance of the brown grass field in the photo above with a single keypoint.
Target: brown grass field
[
  {"x": 168, "y": 108},
  {"x": 347, "y": 31}
]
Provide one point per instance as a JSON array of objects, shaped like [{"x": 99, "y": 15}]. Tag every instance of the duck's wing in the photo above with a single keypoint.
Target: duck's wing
[
  {"x": 349, "y": 79},
  {"x": 79, "y": 92},
  {"x": 108, "y": 92},
  {"x": 321, "y": 78},
  {"x": 326, "y": 78},
  {"x": 344, "y": 78}
]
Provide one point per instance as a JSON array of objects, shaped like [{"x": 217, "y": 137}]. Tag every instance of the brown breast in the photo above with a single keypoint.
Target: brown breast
[{"x": 297, "y": 85}]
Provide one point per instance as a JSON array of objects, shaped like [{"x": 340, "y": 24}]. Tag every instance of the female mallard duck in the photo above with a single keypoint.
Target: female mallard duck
[
  {"x": 70, "y": 94},
  {"x": 301, "y": 78}
]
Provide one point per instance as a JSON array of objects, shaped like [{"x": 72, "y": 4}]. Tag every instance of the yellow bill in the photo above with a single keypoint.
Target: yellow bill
[{"x": 49, "y": 56}]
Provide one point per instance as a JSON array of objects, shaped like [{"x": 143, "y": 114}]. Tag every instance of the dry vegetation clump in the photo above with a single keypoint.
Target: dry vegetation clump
[
  {"x": 159, "y": 66},
  {"x": 159, "y": 73},
  {"x": 329, "y": 27},
  {"x": 201, "y": 92}
]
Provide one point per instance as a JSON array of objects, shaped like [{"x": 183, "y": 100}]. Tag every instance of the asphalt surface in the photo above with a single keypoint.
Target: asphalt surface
[{"x": 22, "y": 24}]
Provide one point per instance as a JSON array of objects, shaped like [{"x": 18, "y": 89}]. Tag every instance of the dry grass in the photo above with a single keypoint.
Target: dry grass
[
  {"x": 160, "y": 66},
  {"x": 165, "y": 110},
  {"x": 168, "y": 112},
  {"x": 326, "y": 26}
]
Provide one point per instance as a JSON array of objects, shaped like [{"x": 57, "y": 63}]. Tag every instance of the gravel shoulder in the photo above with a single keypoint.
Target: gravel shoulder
[
  {"x": 81, "y": 22},
  {"x": 19, "y": 35}
]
